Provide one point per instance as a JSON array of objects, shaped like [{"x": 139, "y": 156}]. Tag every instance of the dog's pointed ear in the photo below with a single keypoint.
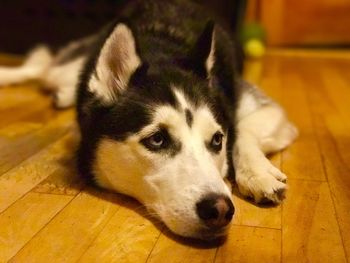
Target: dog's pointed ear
[
  {"x": 117, "y": 61},
  {"x": 202, "y": 56}
]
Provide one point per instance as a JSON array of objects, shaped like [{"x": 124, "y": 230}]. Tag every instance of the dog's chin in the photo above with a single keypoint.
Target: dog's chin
[
  {"x": 212, "y": 235},
  {"x": 205, "y": 234}
]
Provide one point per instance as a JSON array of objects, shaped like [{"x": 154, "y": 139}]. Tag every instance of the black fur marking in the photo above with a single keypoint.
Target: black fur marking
[{"x": 189, "y": 117}]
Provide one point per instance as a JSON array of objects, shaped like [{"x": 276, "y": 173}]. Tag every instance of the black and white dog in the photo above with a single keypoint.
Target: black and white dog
[{"x": 164, "y": 116}]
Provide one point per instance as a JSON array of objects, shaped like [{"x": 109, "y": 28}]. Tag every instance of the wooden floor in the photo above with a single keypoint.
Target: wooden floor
[{"x": 48, "y": 215}]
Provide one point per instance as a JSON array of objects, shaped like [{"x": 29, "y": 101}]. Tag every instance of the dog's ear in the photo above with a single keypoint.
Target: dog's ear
[
  {"x": 213, "y": 58},
  {"x": 117, "y": 61},
  {"x": 202, "y": 56}
]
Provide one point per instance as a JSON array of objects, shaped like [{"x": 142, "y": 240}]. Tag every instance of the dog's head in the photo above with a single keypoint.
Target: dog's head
[{"x": 159, "y": 132}]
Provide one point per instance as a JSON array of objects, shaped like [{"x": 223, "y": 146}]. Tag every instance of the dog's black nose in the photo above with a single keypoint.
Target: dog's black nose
[{"x": 216, "y": 211}]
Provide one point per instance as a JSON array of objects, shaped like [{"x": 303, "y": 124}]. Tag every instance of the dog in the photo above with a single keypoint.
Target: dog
[{"x": 164, "y": 115}]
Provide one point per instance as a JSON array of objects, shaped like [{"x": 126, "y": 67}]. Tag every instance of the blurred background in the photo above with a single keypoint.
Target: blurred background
[
  {"x": 24, "y": 23},
  {"x": 276, "y": 23}
]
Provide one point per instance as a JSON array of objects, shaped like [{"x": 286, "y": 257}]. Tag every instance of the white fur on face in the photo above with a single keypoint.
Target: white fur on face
[{"x": 169, "y": 185}]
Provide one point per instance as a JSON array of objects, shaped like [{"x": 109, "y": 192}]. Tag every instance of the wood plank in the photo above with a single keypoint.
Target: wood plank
[
  {"x": 15, "y": 95},
  {"x": 19, "y": 129},
  {"x": 69, "y": 234},
  {"x": 332, "y": 77},
  {"x": 180, "y": 250},
  {"x": 302, "y": 159},
  {"x": 65, "y": 180},
  {"x": 315, "y": 223},
  {"x": 25, "y": 218},
  {"x": 251, "y": 244},
  {"x": 341, "y": 138},
  {"x": 340, "y": 97},
  {"x": 310, "y": 230},
  {"x": 247, "y": 213},
  {"x": 17, "y": 182},
  {"x": 331, "y": 132},
  {"x": 337, "y": 174},
  {"x": 26, "y": 111},
  {"x": 31, "y": 143},
  {"x": 128, "y": 237}
]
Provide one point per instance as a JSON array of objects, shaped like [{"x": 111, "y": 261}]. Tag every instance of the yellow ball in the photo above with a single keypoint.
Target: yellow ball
[{"x": 254, "y": 48}]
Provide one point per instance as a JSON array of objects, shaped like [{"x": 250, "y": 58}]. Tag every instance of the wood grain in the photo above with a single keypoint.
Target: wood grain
[
  {"x": 25, "y": 218},
  {"x": 69, "y": 234},
  {"x": 48, "y": 214},
  {"x": 179, "y": 250},
  {"x": 17, "y": 182},
  {"x": 128, "y": 237},
  {"x": 332, "y": 131},
  {"x": 31, "y": 143},
  {"x": 310, "y": 232},
  {"x": 250, "y": 244}
]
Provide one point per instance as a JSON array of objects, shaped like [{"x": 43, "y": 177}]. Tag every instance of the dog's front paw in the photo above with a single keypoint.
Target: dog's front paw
[{"x": 264, "y": 185}]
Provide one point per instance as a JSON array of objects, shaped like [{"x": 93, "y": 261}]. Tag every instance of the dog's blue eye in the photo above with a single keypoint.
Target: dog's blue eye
[
  {"x": 216, "y": 141},
  {"x": 156, "y": 141}
]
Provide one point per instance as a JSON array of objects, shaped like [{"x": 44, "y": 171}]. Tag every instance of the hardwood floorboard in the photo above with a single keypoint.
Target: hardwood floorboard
[
  {"x": 302, "y": 159},
  {"x": 179, "y": 250},
  {"x": 333, "y": 134},
  {"x": 20, "y": 180},
  {"x": 67, "y": 236},
  {"x": 129, "y": 236},
  {"x": 25, "y": 218},
  {"x": 31, "y": 143},
  {"x": 310, "y": 230},
  {"x": 250, "y": 244},
  {"x": 48, "y": 214}
]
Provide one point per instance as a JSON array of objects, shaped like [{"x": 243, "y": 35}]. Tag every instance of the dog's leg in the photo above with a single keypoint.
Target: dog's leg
[
  {"x": 59, "y": 72},
  {"x": 63, "y": 80},
  {"x": 35, "y": 66},
  {"x": 263, "y": 131}
]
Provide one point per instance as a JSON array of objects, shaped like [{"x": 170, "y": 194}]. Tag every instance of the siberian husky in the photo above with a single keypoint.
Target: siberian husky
[{"x": 164, "y": 115}]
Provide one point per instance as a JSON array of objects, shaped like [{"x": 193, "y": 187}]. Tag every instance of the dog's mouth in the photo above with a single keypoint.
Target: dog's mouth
[{"x": 209, "y": 234}]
